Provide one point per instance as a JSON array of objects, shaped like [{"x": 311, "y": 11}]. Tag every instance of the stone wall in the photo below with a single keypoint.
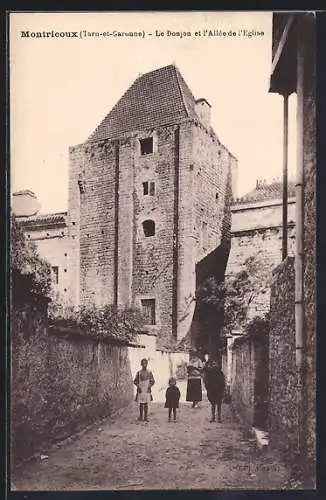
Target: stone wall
[
  {"x": 204, "y": 210},
  {"x": 212, "y": 167},
  {"x": 249, "y": 380},
  {"x": 309, "y": 280},
  {"x": 243, "y": 383},
  {"x": 185, "y": 266},
  {"x": 152, "y": 266},
  {"x": 76, "y": 161},
  {"x": 268, "y": 241},
  {"x": 283, "y": 425},
  {"x": 92, "y": 217},
  {"x": 60, "y": 382},
  {"x": 108, "y": 206},
  {"x": 266, "y": 244},
  {"x": 257, "y": 231},
  {"x": 261, "y": 214}
]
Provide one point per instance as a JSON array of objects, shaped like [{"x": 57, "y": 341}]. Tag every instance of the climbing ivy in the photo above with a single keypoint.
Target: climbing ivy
[{"x": 230, "y": 300}]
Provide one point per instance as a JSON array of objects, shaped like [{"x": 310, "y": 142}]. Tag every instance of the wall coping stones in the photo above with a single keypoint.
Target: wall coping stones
[
  {"x": 78, "y": 332},
  {"x": 257, "y": 230},
  {"x": 171, "y": 351},
  {"x": 250, "y": 205},
  {"x": 149, "y": 332}
]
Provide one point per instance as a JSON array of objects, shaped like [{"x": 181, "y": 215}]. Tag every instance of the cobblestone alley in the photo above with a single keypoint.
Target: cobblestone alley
[{"x": 123, "y": 454}]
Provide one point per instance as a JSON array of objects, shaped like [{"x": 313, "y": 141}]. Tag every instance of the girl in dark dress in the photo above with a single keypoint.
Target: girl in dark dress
[
  {"x": 172, "y": 397},
  {"x": 215, "y": 385}
]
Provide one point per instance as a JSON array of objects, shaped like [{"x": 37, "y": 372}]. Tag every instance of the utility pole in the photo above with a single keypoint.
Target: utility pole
[{"x": 285, "y": 176}]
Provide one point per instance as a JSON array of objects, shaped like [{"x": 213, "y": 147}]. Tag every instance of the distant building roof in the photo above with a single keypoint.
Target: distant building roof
[
  {"x": 160, "y": 97},
  {"x": 25, "y": 192},
  {"x": 264, "y": 191},
  {"x": 44, "y": 220}
]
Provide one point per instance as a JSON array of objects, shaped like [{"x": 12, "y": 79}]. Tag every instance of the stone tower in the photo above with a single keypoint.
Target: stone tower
[{"x": 149, "y": 199}]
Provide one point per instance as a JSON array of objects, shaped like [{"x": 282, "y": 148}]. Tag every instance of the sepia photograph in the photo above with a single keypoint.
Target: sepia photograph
[{"x": 162, "y": 251}]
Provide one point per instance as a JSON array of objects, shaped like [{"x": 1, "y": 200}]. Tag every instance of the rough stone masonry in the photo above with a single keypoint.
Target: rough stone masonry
[{"x": 147, "y": 201}]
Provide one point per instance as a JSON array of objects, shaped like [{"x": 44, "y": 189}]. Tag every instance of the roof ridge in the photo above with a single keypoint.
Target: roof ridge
[
  {"x": 89, "y": 138},
  {"x": 270, "y": 191},
  {"x": 46, "y": 214},
  {"x": 43, "y": 216},
  {"x": 155, "y": 98},
  {"x": 156, "y": 69},
  {"x": 177, "y": 72}
]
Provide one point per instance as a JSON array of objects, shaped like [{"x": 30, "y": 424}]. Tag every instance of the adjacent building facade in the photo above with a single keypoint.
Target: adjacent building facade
[
  {"x": 257, "y": 233},
  {"x": 50, "y": 233}
]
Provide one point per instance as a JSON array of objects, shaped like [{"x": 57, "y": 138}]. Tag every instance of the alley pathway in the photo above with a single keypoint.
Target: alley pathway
[{"x": 123, "y": 454}]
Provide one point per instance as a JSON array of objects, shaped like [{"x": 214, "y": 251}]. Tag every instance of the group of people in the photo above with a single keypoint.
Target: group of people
[
  {"x": 211, "y": 373},
  {"x": 198, "y": 369}
]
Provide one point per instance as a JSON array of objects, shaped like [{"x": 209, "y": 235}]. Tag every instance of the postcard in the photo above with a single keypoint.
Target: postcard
[{"x": 163, "y": 234}]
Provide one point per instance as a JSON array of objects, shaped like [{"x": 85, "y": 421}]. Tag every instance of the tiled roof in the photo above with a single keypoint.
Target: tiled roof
[
  {"x": 157, "y": 98},
  {"x": 264, "y": 191},
  {"x": 54, "y": 219}
]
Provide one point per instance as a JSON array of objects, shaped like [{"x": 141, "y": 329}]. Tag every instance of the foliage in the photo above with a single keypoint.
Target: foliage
[
  {"x": 58, "y": 388},
  {"x": 104, "y": 322},
  {"x": 232, "y": 298},
  {"x": 211, "y": 293},
  {"x": 26, "y": 261},
  {"x": 256, "y": 329},
  {"x": 184, "y": 344},
  {"x": 259, "y": 326}
]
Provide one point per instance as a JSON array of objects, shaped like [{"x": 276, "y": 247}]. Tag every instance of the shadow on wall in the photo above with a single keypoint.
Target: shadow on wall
[
  {"x": 60, "y": 382},
  {"x": 207, "y": 321}
]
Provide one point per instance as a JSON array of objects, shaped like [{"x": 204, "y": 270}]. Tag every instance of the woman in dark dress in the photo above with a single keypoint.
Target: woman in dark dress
[
  {"x": 214, "y": 381},
  {"x": 194, "y": 389}
]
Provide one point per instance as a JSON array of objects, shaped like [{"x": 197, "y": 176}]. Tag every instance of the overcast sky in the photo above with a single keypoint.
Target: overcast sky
[{"x": 62, "y": 88}]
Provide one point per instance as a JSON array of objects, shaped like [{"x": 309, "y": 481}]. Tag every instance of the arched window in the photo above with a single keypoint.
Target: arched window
[{"x": 149, "y": 228}]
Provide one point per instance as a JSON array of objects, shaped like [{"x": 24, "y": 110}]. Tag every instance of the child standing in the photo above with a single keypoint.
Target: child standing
[
  {"x": 172, "y": 397},
  {"x": 144, "y": 381}
]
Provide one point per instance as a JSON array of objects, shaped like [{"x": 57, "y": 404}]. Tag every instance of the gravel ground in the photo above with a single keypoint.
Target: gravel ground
[{"x": 123, "y": 454}]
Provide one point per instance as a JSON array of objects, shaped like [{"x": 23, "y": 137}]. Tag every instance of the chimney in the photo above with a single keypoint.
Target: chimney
[
  {"x": 25, "y": 203},
  {"x": 203, "y": 110}
]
